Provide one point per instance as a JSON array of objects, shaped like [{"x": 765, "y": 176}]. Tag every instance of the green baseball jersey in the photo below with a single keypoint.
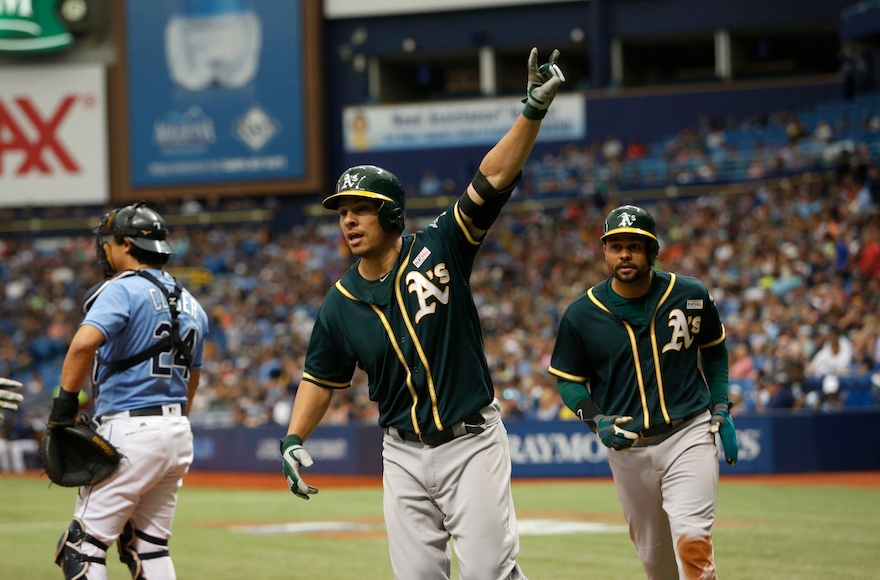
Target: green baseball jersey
[
  {"x": 646, "y": 370},
  {"x": 418, "y": 338}
]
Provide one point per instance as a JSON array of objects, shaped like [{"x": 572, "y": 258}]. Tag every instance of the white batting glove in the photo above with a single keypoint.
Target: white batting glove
[
  {"x": 8, "y": 399},
  {"x": 294, "y": 455},
  {"x": 613, "y": 436},
  {"x": 543, "y": 84}
]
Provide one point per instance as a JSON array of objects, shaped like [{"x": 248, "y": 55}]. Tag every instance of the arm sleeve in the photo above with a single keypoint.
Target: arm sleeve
[
  {"x": 572, "y": 393},
  {"x": 715, "y": 367}
]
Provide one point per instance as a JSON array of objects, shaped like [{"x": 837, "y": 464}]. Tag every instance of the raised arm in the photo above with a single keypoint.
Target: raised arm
[{"x": 501, "y": 168}]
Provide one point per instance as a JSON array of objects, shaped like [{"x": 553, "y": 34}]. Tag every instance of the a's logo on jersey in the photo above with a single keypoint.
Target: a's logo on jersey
[
  {"x": 684, "y": 329},
  {"x": 424, "y": 289},
  {"x": 626, "y": 220},
  {"x": 351, "y": 181}
]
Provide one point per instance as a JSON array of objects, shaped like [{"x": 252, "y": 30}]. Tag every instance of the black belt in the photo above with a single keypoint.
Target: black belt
[
  {"x": 151, "y": 411},
  {"x": 667, "y": 427},
  {"x": 470, "y": 424}
]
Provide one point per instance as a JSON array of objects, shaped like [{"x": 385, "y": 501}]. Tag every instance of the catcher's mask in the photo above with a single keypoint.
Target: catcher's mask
[
  {"x": 629, "y": 219},
  {"x": 140, "y": 225},
  {"x": 374, "y": 183}
]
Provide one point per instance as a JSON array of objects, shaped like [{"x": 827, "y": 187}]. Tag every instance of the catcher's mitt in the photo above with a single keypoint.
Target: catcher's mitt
[{"x": 75, "y": 455}]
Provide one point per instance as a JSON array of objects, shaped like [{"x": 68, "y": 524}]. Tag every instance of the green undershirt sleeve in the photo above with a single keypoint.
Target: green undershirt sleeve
[
  {"x": 715, "y": 367},
  {"x": 572, "y": 393}
]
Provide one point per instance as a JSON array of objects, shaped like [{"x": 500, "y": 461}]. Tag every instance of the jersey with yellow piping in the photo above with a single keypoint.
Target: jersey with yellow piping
[
  {"x": 420, "y": 343},
  {"x": 646, "y": 371}
]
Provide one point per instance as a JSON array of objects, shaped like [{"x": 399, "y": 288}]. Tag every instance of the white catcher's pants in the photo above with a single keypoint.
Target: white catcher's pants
[{"x": 158, "y": 451}]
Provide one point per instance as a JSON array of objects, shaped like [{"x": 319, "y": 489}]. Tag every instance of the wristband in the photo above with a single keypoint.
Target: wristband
[
  {"x": 532, "y": 113},
  {"x": 483, "y": 216},
  {"x": 66, "y": 395},
  {"x": 292, "y": 439},
  {"x": 586, "y": 409}
]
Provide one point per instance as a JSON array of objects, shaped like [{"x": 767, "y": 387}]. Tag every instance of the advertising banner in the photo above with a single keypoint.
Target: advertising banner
[
  {"x": 215, "y": 91},
  {"x": 32, "y": 26},
  {"x": 570, "y": 449},
  {"x": 53, "y": 135},
  {"x": 454, "y": 124},
  {"x": 349, "y": 450},
  {"x": 537, "y": 448}
]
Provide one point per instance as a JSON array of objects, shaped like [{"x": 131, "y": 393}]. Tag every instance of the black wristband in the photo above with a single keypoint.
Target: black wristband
[
  {"x": 487, "y": 191},
  {"x": 483, "y": 216},
  {"x": 63, "y": 411},
  {"x": 67, "y": 395},
  {"x": 586, "y": 409}
]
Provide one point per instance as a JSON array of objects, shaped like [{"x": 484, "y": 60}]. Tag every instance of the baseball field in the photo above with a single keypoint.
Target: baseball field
[{"x": 251, "y": 528}]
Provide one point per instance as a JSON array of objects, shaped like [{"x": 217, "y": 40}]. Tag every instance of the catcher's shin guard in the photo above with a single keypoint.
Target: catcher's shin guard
[
  {"x": 69, "y": 556},
  {"x": 128, "y": 552}
]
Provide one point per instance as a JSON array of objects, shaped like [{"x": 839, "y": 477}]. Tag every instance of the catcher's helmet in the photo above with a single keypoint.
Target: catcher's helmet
[
  {"x": 375, "y": 183},
  {"x": 629, "y": 219},
  {"x": 142, "y": 226}
]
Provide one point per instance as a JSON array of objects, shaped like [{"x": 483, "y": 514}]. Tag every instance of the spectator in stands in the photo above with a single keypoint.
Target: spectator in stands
[
  {"x": 715, "y": 137},
  {"x": 795, "y": 130},
  {"x": 635, "y": 150},
  {"x": 742, "y": 365},
  {"x": 548, "y": 407},
  {"x": 612, "y": 148},
  {"x": 18, "y": 439},
  {"x": 823, "y": 132},
  {"x": 430, "y": 185},
  {"x": 827, "y": 399},
  {"x": 869, "y": 256},
  {"x": 833, "y": 358},
  {"x": 738, "y": 405},
  {"x": 776, "y": 393}
]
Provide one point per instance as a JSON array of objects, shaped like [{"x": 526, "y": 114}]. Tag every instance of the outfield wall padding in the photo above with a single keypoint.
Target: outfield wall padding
[{"x": 779, "y": 443}]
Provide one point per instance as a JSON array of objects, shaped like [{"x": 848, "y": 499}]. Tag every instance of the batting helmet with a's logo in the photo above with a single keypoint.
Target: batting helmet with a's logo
[
  {"x": 374, "y": 183},
  {"x": 630, "y": 219}
]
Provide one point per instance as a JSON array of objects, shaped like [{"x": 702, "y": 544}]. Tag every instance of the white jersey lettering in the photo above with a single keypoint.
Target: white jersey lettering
[
  {"x": 424, "y": 289},
  {"x": 683, "y": 330}
]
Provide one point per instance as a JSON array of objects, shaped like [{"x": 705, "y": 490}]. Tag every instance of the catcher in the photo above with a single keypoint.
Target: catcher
[{"x": 146, "y": 336}]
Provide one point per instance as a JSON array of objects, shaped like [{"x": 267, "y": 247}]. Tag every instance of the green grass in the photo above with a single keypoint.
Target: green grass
[{"x": 762, "y": 531}]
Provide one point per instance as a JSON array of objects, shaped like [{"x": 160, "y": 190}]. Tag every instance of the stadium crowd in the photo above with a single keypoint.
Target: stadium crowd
[
  {"x": 794, "y": 267},
  {"x": 719, "y": 151}
]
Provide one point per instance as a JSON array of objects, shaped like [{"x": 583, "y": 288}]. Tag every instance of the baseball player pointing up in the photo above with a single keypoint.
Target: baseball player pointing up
[
  {"x": 405, "y": 314},
  {"x": 145, "y": 335},
  {"x": 626, "y": 361}
]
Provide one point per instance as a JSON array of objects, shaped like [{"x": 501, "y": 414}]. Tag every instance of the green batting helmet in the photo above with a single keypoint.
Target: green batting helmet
[
  {"x": 629, "y": 219},
  {"x": 374, "y": 183}
]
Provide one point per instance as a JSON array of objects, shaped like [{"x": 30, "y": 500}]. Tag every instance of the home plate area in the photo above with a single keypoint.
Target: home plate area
[{"x": 526, "y": 526}]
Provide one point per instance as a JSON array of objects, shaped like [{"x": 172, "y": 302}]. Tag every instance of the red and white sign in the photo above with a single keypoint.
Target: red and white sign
[{"x": 53, "y": 135}]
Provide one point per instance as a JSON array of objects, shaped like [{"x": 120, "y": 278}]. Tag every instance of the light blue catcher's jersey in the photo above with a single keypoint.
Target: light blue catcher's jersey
[{"x": 133, "y": 315}]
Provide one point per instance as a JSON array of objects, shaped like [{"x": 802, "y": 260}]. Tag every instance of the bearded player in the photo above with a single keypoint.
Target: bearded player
[
  {"x": 405, "y": 314},
  {"x": 626, "y": 361}
]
